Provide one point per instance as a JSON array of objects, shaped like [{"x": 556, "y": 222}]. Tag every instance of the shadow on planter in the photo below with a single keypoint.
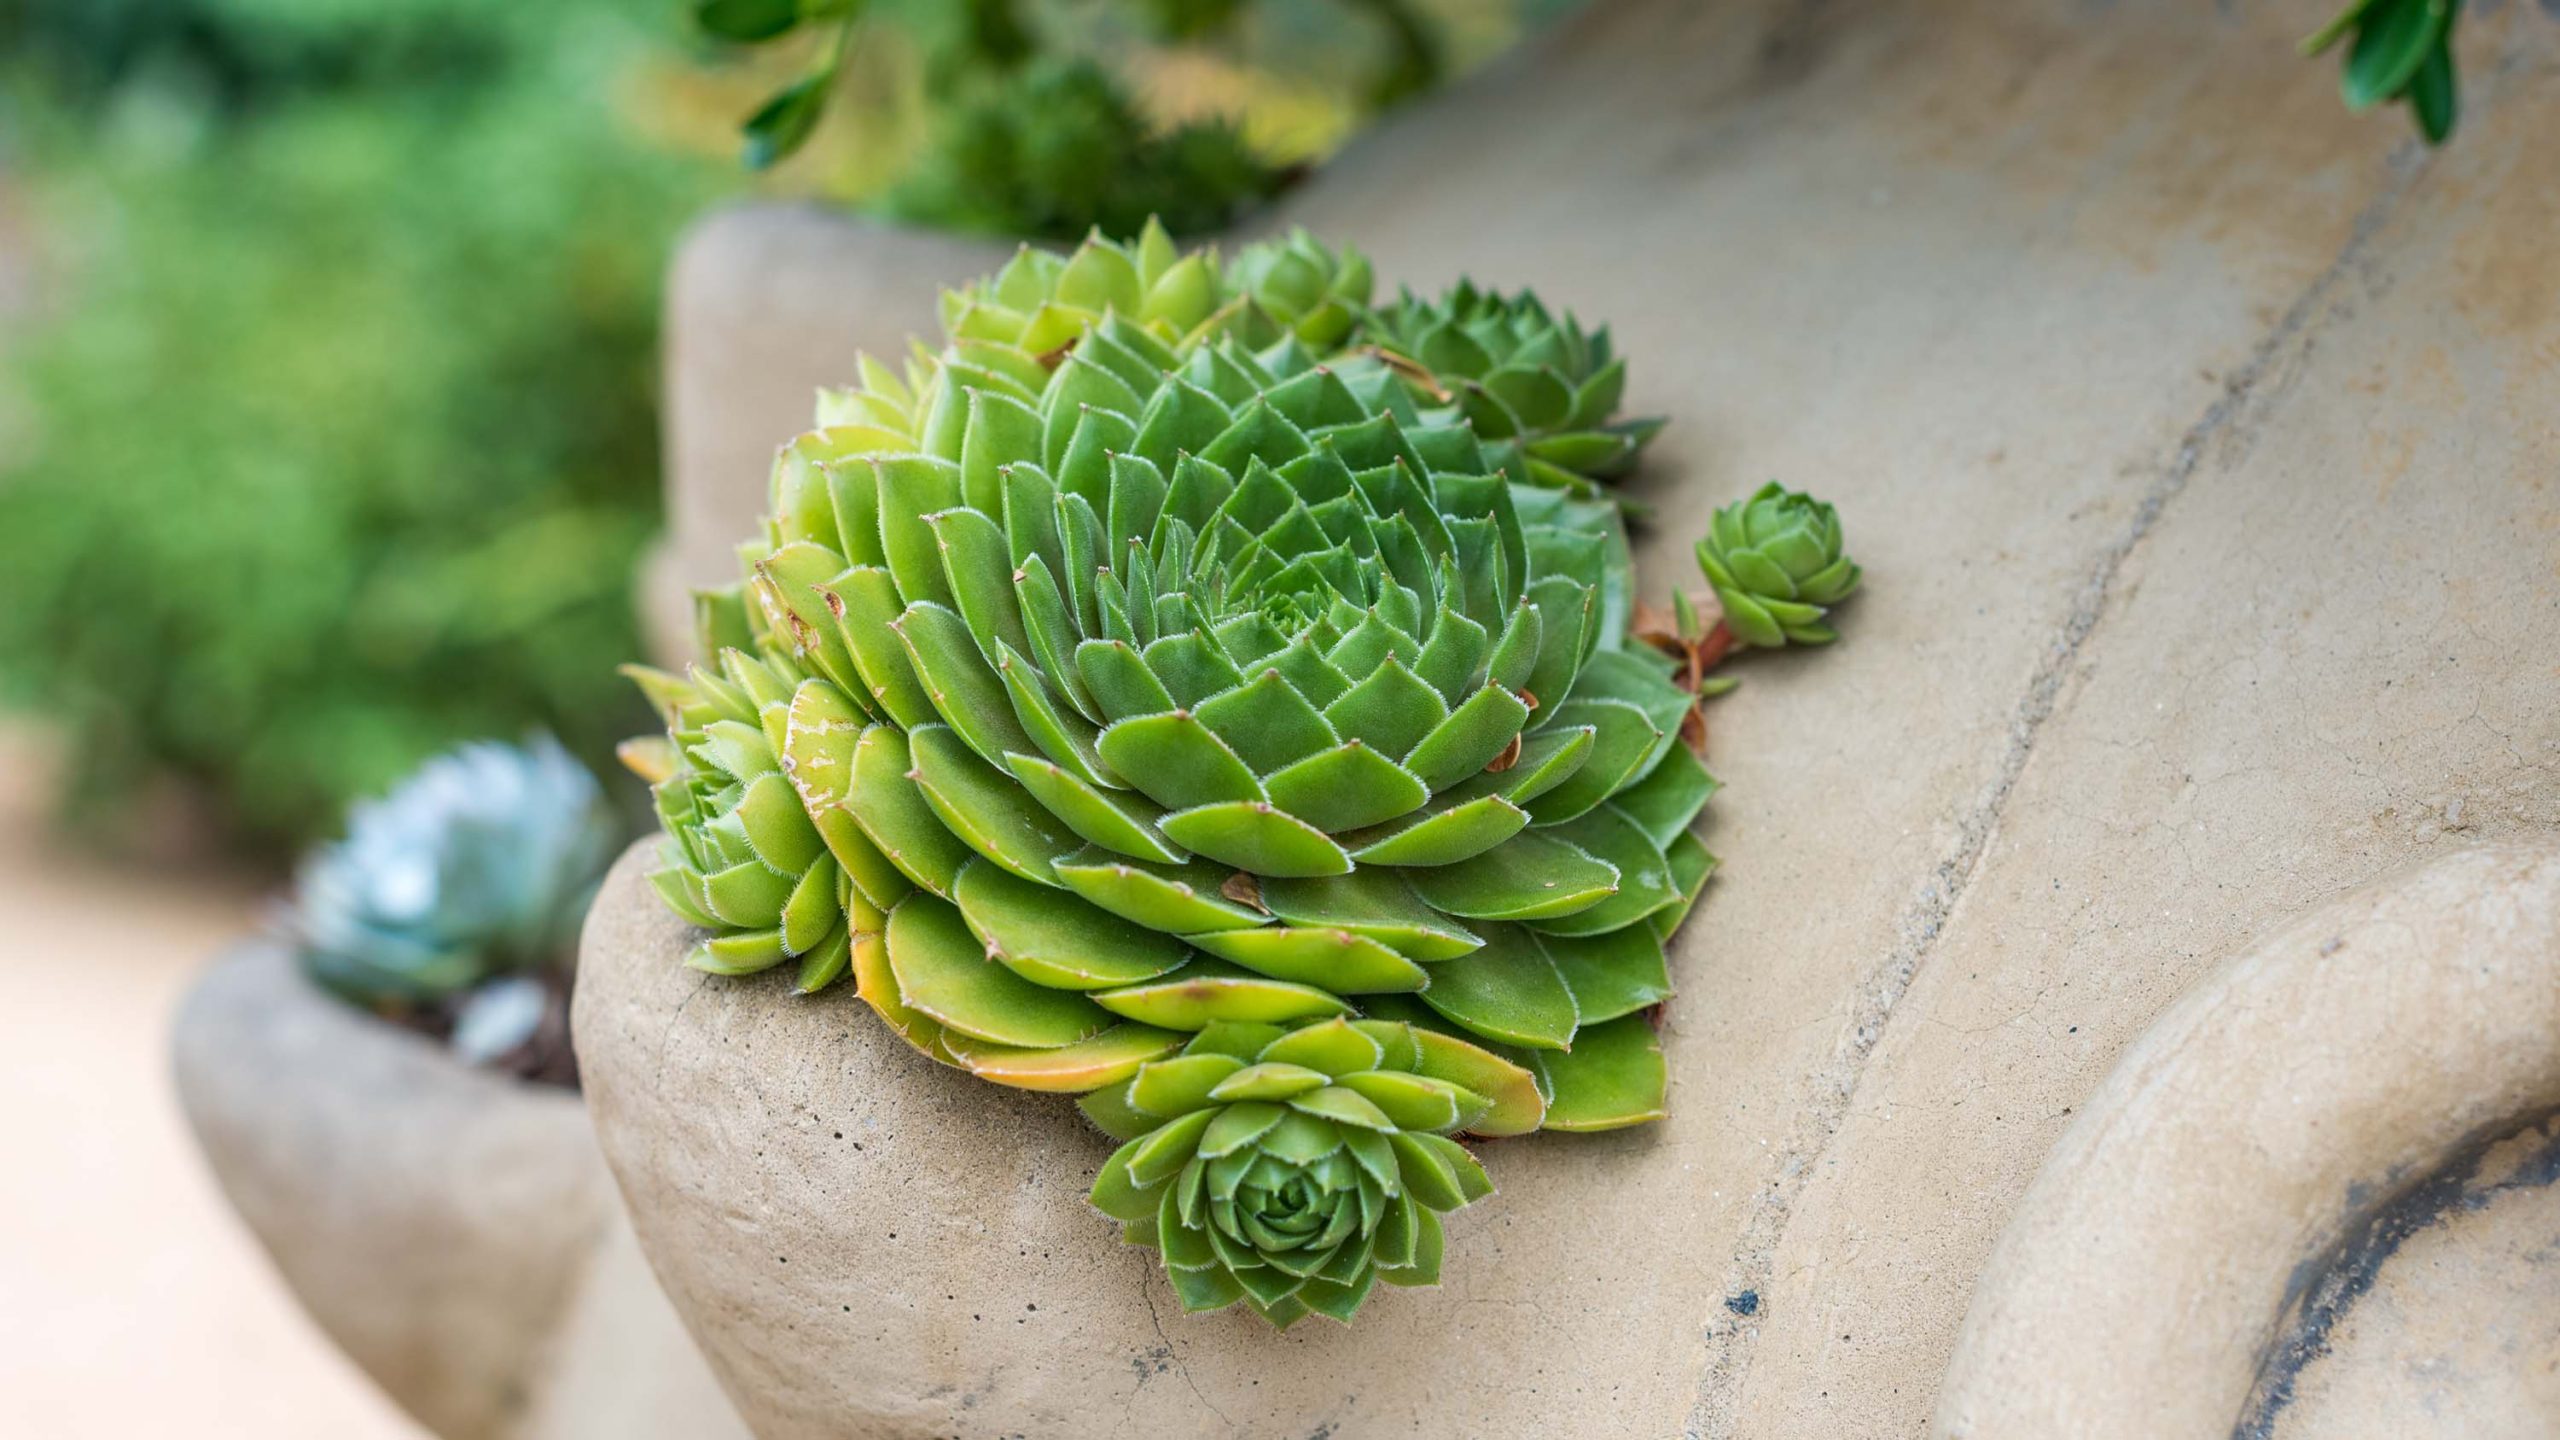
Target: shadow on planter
[{"x": 453, "y": 1230}]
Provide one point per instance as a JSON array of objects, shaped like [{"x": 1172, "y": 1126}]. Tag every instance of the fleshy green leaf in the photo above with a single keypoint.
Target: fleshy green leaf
[
  {"x": 986, "y": 807},
  {"x": 1507, "y": 991},
  {"x": 1531, "y": 876},
  {"x": 1336, "y": 960},
  {"x": 1613, "y": 1077},
  {"x": 1206, "y": 992},
  {"x": 1059, "y": 940},
  {"x": 1182, "y": 900},
  {"x": 1090, "y": 1064},
  {"x": 1375, "y": 902},
  {"x": 943, "y": 973},
  {"x": 1256, "y": 836}
]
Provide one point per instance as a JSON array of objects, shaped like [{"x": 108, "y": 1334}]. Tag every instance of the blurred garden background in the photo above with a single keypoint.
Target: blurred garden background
[
  {"x": 328, "y": 439},
  {"x": 328, "y": 419}
]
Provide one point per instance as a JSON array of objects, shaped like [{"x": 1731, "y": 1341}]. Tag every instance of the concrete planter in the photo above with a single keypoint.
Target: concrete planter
[
  {"x": 454, "y": 1231},
  {"x": 2317, "y": 1198},
  {"x": 2195, "y": 436},
  {"x": 756, "y": 339}
]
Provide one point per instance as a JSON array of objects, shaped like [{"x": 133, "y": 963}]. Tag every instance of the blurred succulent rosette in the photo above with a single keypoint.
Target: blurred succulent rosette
[{"x": 453, "y": 902}]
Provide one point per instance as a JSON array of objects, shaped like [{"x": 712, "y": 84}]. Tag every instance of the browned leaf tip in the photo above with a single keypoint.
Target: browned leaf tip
[
  {"x": 1658, "y": 628},
  {"x": 1244, "y": 890},
  {"x": 1693, "y": 730},
  {"x": 1411, "y": 369},
  {"x": 1509, "y": 757},
  {"x": 1654, "y": 626},
  {"x": 1717, "y": 645},
  {"x": 1052, "y": 359}
]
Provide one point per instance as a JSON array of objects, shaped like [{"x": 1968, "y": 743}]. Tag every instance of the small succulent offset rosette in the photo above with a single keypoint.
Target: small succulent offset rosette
[
  {"x": 1541, "y": 388},
  {"x": 1293, "y": 1168},
  {"x": 1147, "y": 697},
  {"x": 1777, "y": 567}
]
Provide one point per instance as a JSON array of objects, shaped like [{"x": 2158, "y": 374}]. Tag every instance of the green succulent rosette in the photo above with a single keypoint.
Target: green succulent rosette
[
  {"x": 1776, "y": 564},
  {"x": 1525, "y": 380},
  {"x": 1302, "y": 288},
  {"x": 1199, "y": 685},
  {"x": 1041, "y": 302},
  {"x": 1143, "y": 696},
  {"x": 1291, "y": 1168},
  {"x": 753, "y": 854}
]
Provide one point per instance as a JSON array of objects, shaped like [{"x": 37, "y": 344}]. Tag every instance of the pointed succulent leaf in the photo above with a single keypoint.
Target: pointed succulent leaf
[
  {"x": 1613, "y": 1077},
  {"x": 945, "y": 973},
  {"x": 1105, "y": 1059},
  {"x": 1206, "y": 992},
  {"x": 1510, "y": 991}
]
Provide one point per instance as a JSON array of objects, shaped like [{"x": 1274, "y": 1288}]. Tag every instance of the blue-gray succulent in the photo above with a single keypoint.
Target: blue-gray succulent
[{"x": 477, "y": 867}]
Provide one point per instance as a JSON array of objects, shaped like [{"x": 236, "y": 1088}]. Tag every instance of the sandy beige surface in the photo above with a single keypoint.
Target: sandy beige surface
[{"x": 132, "y": 1303}]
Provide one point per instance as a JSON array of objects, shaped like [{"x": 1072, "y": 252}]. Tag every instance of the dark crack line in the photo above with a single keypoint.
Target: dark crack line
[
  {"x": 667, "y": 1033},
  {"x": 1173, "y": 1353},
  {"x": 1828, "y": 1090}
]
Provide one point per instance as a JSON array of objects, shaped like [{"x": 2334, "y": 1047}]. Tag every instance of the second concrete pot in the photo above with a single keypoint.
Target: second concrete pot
[{"x": 453, "y": 1230}]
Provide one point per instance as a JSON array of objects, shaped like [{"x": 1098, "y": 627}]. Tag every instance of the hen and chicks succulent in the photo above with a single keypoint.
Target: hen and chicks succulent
[{"x": 1192, "y": 688}]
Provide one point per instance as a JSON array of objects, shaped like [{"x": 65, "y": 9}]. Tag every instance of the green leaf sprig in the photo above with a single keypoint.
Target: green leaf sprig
[{"x": 2403, "y": 50}]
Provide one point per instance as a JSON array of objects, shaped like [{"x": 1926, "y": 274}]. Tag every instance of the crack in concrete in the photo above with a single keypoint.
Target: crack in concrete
[
  {"x": 1173, "y": 1354},
  {"x": 1829, "y": 1090},
  {"x": 667, "y": 1032}
]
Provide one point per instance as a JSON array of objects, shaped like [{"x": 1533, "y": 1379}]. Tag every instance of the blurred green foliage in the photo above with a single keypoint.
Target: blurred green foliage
[
  {"x": 1024, "y": 137},
  {"x": 329, "y": 436},
  {"x": 1055, "y": 149}
]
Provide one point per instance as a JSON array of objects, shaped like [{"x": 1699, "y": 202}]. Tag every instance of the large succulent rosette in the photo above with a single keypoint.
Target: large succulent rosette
[{"x": 1148, "y": 685}]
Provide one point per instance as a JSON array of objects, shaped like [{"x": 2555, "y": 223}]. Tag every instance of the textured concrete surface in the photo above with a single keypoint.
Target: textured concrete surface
[
  {"x": 449, "y": 1228},
  {"x": 2457, "y": 1335},
  {"x": 2227, "y": 1226},
  {"x": 2197, "y": 440}
]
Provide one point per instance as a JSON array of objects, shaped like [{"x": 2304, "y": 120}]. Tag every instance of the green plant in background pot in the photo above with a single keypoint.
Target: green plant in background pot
[
  {"x": 453, "y": 903},
  {"x": 1164, "y": 691},
  {"x": 1022, "y": 139},
  {"x": 1055, "y": 149}
]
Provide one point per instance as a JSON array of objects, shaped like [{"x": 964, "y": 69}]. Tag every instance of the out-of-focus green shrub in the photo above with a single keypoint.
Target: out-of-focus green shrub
[
  {"x": 1056, "y": 149},
  {"x": 330, "y": 440},
  {"x": 1021, "y": 131}
]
